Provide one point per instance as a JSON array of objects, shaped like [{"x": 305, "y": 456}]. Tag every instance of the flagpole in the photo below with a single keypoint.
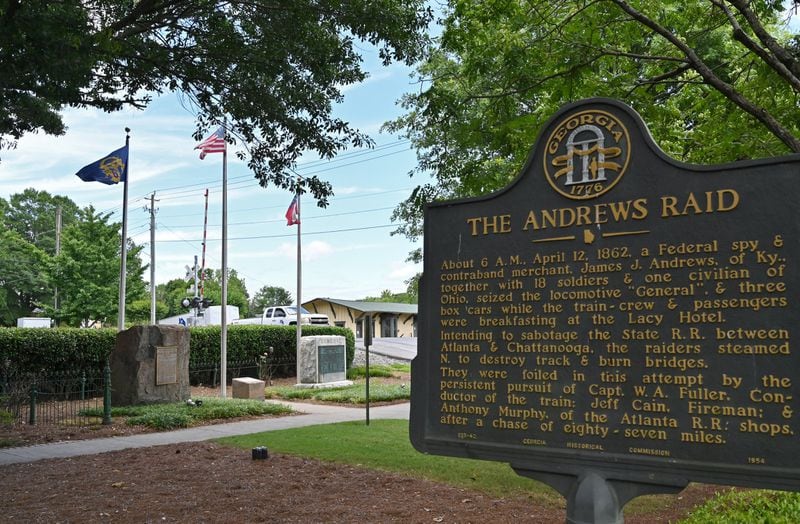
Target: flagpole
[
  {"x": 299, "y": 272},
  {"x": 223, "y": 346},
  {"x": 123, "y": 265}
]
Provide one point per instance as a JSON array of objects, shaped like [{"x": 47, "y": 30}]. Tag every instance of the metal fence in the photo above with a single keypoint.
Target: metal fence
[
  {"x": 83, "y": 397},
  {"x": 206, "y": 374},
  {"x": 74, "y": 397},
  {"x": 265, "y": 367}
]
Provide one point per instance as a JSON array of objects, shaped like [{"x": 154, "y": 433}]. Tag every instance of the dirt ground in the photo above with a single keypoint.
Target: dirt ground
[{"x": 206, "y": 482}]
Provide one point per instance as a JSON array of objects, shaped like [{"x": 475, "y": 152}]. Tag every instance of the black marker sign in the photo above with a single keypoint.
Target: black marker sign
[{"x": 617, "y": 311}]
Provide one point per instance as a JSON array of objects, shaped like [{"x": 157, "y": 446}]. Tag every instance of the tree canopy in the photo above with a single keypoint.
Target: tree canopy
[
  {"x": 32, "y": 214},
  {"x": 272, "y": 69},
  {"x": 87, "y": 271},
  {"x": 171, "y": 294},
  {"x": 716, "y": 81},
  {"x": 269, "y": 296},
  {"x": 24, "y": 280},
  {"x": 387, "y": 296},
  {"x": 237, "y": 290}
]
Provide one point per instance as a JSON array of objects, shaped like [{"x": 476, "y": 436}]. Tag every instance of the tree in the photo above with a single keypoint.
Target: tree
[
  {"x": 716, "y": 80},
  {"x": 24, "y": 284},
  {"x": 237, "y": 290},
  {"x": 171, "y": 294},
  {"x": 272, "y": 68},
  {"x": 27, "y": 243},
  {"x": 3, "y": 211},
  {"x": 388, "y": 296},
  {"x": 87, "y": 271},
  {"x": 269, "y": 296},
  {"x": 32, "y": 214},
  {"x": 138, "y": 312},
  {"x": 412, "y": 289}
]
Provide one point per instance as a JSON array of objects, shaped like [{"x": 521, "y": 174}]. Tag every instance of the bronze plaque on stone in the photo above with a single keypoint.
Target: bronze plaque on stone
[
  {"x": 615, "y": 309},
  {"x": 332, "y": 363},
  {"x": 166, "y": 365}
]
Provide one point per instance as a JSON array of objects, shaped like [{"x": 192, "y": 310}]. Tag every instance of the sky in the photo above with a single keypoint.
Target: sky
[{"x": 347, "y": 249}]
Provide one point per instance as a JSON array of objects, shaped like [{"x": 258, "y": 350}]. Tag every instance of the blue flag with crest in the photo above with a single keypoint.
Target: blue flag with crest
[{"x": 111, "y": 169}]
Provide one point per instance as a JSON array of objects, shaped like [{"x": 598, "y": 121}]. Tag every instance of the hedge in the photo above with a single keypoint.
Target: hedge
[
  {"x": 247, "y": 343},
  {"x": 25, "y": 350},
  {"x": 34, "y": 350}
]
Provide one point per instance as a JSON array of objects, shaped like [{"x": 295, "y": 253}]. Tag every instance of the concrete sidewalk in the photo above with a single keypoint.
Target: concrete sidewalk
[{"x": 313, "y": 414}]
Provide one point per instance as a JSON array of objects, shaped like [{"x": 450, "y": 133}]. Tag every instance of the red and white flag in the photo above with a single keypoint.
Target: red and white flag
[
  {"x": 213, "y": 144},
  {"x": 293, "y": 213}
]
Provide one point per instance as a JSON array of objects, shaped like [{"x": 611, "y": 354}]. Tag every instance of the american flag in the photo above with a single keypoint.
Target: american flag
[{"x": 213, "y": 144}]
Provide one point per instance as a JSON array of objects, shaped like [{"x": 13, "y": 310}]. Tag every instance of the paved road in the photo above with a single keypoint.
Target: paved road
[
  {"x": 313, "y": 414},
  {"x": 401, "y": 348}
]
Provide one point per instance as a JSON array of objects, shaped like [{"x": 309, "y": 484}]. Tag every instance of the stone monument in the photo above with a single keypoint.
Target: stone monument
[
  {"x": 150, "y": 364},
  {"x": 322, "y": 362}
]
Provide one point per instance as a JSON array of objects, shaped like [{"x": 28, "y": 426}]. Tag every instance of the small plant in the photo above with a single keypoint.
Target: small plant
[
  {"x": 162, "y": 420},
  {"x": 750, "y": 506},
  {"x": 181, "y": 414},
  {"x": 9, "y": 443},
  {"x": 265, "y": 366},
  {"x": 6, "y": 417}
]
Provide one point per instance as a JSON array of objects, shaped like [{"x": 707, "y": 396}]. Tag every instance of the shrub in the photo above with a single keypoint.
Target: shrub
[
  {"x": 735, "y": 506},
  {"x": 26, "y": 350},
  {"x": 247, "y": 343},
  {"x": 180, "y": 415}
]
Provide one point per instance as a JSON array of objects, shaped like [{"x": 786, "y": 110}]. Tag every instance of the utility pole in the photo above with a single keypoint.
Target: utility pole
[
  {"x": 58, "y": 251},
  {"x": 202, "y": 290},
  {"x": 153, "y": 320},
  {"x": 196, "y": 307}
]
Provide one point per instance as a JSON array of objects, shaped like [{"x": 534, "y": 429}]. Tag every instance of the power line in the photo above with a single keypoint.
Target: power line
[
  {"x": 273, "y": 220},
  {"x": 258, "y": 237},
  {"x": 336, "y": 199},
  {"x": 168, "y": 191}
]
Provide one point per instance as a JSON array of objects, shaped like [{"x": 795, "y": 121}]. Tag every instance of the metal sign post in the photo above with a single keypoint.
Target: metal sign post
[{"x": 367, "y": 343}]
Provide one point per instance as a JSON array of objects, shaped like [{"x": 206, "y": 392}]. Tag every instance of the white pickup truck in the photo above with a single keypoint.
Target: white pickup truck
[{"x": 286, "y": 315}]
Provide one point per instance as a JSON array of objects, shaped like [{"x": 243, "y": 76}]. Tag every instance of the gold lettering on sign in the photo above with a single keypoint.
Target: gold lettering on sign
[{"x": 166, "y": 365}]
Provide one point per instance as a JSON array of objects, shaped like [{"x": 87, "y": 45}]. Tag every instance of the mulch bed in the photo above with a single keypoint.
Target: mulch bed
[{"x": 207, "y": 482}]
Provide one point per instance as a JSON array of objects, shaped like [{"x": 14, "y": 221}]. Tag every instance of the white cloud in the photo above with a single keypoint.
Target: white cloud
[
  {"x": 403, "y": 270},
  {"x": 311, "y": 251},
  {"x": 381, "y": 75},
  {"x": 346, "y": 264}
]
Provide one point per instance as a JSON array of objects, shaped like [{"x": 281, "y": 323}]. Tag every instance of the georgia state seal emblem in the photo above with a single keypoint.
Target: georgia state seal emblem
[
  {"x": 587, "y": 154},
  {"x": 113, "y": 167}
]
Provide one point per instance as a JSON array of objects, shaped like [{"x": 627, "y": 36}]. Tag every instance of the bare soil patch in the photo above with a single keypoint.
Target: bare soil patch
[{"x": 206, "y": 482}]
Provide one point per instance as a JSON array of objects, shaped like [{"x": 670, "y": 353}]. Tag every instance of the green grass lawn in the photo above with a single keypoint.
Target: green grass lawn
[
  {"x": 380, "y": 389},
  {"x": 384, "y": 445},
  {"x": 379, "y": 370},
  {"x": 355, "y": 394}
]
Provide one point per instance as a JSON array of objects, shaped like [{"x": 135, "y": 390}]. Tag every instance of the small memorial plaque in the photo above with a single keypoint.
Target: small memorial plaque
[{"x": 166, "y": 365}]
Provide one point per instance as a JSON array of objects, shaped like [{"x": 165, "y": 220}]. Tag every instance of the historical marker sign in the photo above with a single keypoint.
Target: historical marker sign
[{"x": 616, "y": 311}]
